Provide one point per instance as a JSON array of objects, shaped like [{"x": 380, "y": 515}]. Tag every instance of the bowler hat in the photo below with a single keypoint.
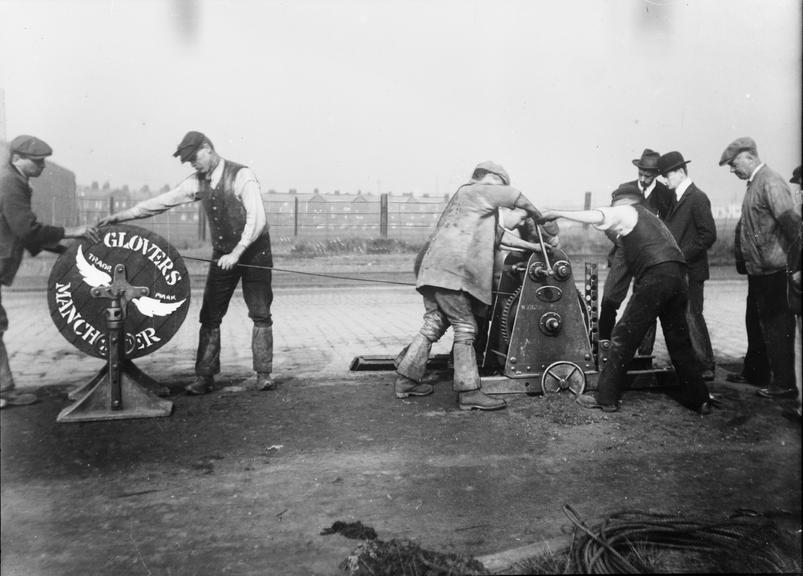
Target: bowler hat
[
  {"x": 648, "y": 160},
  {"x": 190, "y": 144},
  {"x": 671, "y": 161},
  {"x": 494, "y": 168},
  {"x": 733, "y": 149},
  {"x": 30, "y": 147},
  {"x": 627, "y": 190},
  {"x": 795, "y": 176}
]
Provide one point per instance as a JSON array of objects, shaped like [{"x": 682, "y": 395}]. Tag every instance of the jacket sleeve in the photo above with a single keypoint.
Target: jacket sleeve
[
  {"x": 24, "y": 225},
  {"x": 780, "y": 202},
  {"x": 706, "y": 229}
]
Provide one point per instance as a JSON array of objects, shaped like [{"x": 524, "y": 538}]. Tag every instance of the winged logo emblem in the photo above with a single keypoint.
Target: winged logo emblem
[{"x": 147, "y": 306}]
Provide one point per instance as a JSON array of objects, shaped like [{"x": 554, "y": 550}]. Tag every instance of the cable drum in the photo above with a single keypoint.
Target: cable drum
[{"x": 149, "y": 260}]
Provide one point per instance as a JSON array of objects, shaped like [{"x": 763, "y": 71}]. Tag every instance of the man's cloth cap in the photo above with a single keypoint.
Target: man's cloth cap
[
  {"x": 494, "y": 168},
  {"x": 648, "y": 160},
  {"x": 738, "y": 145},
  {"x": 628, "y": 190},
  {"x": 189, "y": 145},
  {"x": 671, "y": 161},
  {"x": 30, "y": 147}
]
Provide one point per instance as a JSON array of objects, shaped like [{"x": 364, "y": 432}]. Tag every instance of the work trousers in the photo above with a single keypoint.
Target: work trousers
[
  {"x": 444, "y": 308},
  {"x": 777, "y": 325},
  {"x": 6, "y": 379},
  {"x": 661, "y": 292},
  {"x": 756, "y": 367},
  {"x": 698, "y": 329},
  {"x": 617, "y": 283},
  {"x": 258, "y": 296}
]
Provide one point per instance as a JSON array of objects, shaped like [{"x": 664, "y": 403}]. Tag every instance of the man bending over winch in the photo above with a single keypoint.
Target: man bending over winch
[{"x": 455, "y": 278}]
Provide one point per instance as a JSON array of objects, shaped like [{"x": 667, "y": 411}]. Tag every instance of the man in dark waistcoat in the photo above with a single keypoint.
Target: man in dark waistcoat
[
  {"x": 659, "y": 199},
  {"x": 232, "y": 199},
  {"x": 660, "y": 291},
  {"x": 20, "y": 231}
]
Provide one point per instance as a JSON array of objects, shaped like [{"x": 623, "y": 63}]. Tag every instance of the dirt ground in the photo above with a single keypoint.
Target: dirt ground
[{"x": 243, "y": 483}]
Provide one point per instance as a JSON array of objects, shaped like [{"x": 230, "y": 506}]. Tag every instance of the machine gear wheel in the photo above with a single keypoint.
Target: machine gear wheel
[
  {"x": 563, "y": 375},
  {"x": 508, "y": 315}
]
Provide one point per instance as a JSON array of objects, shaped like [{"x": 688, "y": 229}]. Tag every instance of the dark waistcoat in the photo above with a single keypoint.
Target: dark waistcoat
[
  {"x": 226, "y": 213},
  {"x": 649, "y": 243}
]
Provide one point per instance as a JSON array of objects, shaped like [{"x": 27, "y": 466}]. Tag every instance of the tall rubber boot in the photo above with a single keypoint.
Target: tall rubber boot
[
  {"x": 467, "y": 380},
  {"x": 411, "y": 364},
  {"x": 262, "y": 348},
  {"x": 207, "y": 359}
]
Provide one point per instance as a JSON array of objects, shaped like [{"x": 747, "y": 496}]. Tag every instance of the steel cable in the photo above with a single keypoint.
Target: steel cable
[{"x": 607, "y": 548}]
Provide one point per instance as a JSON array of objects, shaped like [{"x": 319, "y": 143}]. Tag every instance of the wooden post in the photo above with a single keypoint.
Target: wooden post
[
  {"x": 587, "y": 206},
  {"x": 295, "y": 216},
  {"x": 383, "y": 215}
]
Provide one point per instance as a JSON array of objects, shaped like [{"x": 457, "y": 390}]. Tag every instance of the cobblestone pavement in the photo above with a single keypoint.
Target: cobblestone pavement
[{"x": 317, "y": 333}]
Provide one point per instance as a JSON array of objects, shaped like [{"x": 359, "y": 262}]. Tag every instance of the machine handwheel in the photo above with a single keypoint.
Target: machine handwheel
[{"x": 563, "y": 375}]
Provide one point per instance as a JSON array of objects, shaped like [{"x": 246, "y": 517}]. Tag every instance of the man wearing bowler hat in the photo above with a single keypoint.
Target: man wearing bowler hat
[
  {"x": 692, "y": 224},
  {"x": 232, "y": 199},
  {"x": 770, "y": 226},
  {"x": 658, "y": 199},
  {"x": 20, "y": 231},
  {"x": 659, "y": 291}
]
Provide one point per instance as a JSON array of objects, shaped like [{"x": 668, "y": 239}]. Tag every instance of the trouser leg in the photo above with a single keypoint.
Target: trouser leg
[
  {"x": 258, "y": 296},
  {"x": 220, "y": 285},
  {"x": 777, "y": 328},
  {"x": 698, "y": 330},
  {"x": 456, "y": 306},
  {"x": 693, "y": 389},
  {"x": 799, "y": 359},
  {"x": 412, "y": 362},
  {"x": 756, "y": 368},
  {"x": 6, "y": 379},
  {"x": 614, "y": 292},
  {"x": 640, "y": 313}
]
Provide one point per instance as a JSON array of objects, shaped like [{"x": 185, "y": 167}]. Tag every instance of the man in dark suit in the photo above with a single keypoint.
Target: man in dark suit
[
  {"x": 692, "y": 224},
  {"x": 658, "y": 199}
]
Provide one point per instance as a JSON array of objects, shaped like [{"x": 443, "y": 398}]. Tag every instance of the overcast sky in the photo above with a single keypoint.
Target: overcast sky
[{"x": 400, "y": 96}]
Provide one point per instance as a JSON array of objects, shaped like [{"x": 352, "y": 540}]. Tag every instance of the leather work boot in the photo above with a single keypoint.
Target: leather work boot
[
  {"x": 264, "y": 381},
  {"x": 405, "y": 387},
  {"x": 201, "y": 385},
  {"x": 478, "y": 400}
]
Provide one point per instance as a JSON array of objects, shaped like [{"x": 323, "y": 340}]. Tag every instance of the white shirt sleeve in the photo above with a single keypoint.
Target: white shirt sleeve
[
  {"x": 619, "y": 219},
  {"x": 181, "y": 194},
  {"x": 247, "y": 189}
]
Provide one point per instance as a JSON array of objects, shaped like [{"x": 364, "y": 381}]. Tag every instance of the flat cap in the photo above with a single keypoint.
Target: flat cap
[
  {"x": 494, "y": 168},
  {"x": 795, "y": 176},
  {"x": 30, "y": 146},
  {"x": 744, "y": 143},
  {"x": 627, "y": 190},
  {"x": 189, "y": 145}
]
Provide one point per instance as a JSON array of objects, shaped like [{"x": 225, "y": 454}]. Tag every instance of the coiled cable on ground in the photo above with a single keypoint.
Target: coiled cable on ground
[{"x": 608, "y": 548}]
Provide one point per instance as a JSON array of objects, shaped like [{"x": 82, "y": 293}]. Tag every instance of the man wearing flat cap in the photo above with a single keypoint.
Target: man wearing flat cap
[
  {"x": 232, "y": 199},
  {"x": 658, "y": 199},
  {"x": 455, "y": 278},
  {"x": 19, "y": 231},
  {"x": 692, "y": 224},
  {"x": 770, "y": 226},
  {"x": 659, "y": 291}
]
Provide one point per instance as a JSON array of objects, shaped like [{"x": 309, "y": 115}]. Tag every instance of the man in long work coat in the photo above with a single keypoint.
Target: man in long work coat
[{"x": 455, "y": 279}]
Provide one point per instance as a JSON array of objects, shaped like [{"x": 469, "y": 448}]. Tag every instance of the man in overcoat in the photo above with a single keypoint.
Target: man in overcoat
[
  {"x": 692, "y": 224},
  {"x": 19, "y": 231}
]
